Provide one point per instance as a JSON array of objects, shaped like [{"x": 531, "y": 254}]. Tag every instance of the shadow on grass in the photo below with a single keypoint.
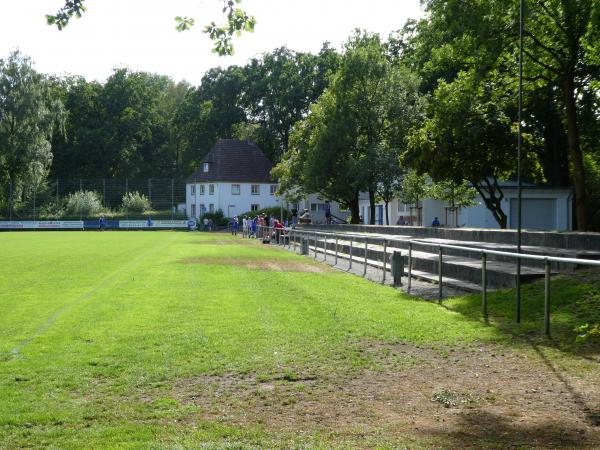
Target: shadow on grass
[
  {"x": 574, "y": 299},
  {"x": 480, "y": 429}
]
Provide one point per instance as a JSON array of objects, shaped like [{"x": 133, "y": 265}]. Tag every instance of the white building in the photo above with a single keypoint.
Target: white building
[
  {"x": 543, "y": 208},
  {"x": 234, "y": 177}
]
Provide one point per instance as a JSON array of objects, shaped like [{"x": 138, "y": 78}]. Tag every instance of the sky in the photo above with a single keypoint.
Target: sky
[{"x": 141, "y": 35}]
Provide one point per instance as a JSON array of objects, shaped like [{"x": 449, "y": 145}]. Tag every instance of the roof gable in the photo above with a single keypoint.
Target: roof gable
[{"x": 234, "y": 161}]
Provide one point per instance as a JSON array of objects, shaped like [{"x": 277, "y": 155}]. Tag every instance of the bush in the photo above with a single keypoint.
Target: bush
[
  {"x": 135, "y": 202},
  {"x": 84, "y": 204},
  {"x": 274, "y": 211},
  {"x": 218, "y": 218}
]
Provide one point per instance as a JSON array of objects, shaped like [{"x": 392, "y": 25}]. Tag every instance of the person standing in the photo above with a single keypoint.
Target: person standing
[{"x": 101, "y": 222}]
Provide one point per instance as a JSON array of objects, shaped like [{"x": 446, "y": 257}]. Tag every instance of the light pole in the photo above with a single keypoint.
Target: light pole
[{"x": 519, "y": 157}]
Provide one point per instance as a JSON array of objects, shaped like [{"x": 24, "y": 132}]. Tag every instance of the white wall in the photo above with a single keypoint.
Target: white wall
[
  {"x": 479, "y": 216},
  {"x": 230, "y": 204},
  {"x": 318, "y": 216}
]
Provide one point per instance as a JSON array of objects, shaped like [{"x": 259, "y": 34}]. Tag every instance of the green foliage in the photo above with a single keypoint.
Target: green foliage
[
  {"x": 83, "y": 204},
  {"x": 457, "y": 195},
  {"x": 135, "y": 202},
  {"x": 218, "y": 218},
  {"x": 414, "y": 188},
  {"x": 236, "y": 21},
  {"x": 356, "y": 129},
  {"x": 30, "y": 115},
  {"x": 273, "y": 211}
]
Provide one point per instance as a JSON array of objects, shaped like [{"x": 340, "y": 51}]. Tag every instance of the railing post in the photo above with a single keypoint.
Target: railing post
[
  {"x": 384, "y": 261},
  {"x": 366, "y": 253},
  {"x": 547, "y": 298},
  {"x": 350, "y": 264},
  {"x": 336, "y": 249},
  {"x": 324, "y": 247},
  {"x": 484, "y": 308},
  {"x": 315, "y": 236},
  {"x": 440, "y": 275},
  {"x": 409, "y": 266}
]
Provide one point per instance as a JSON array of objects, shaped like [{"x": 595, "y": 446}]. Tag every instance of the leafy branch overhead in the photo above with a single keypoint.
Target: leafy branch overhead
[{"x": 236, "y": 21}]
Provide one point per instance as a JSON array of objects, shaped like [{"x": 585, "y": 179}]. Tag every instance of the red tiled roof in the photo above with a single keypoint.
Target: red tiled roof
[{"x": 232, "y": 160}]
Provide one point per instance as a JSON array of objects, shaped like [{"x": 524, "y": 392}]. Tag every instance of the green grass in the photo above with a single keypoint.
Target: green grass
[{"x": 96, "y": 329}]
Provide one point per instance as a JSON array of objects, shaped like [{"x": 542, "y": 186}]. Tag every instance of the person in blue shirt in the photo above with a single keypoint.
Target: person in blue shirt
[
  {"x": 101, "y": 222},
  {"x": 234, "y": 226},
  {"x": 435, "y": 223},
  {"x": 149, "y": 223},
  {"x": 254, "y": 225}
]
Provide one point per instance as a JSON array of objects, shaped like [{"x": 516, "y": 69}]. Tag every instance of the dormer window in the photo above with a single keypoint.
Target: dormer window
[{"x": 205, "y": 167}]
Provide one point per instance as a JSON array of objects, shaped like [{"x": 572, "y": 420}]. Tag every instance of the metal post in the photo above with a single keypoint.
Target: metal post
[
  {"x": 519, "y": 158},
  {"x": 440, "y": 276},
  {"x": 484, "y": 284},
  {"x": 384, "y": 261},
  {"x": 350, "y": 264},
  {"x": 409, "y": 266},
  {"x": 315, "y": 236},
  {"x": 172, "y": 199},
  {"x": 366, "y": 252},
  {"x": 336, "y": 249},
  {"x": 547, "y": 298},
  {"x": 325, "y": 247}
]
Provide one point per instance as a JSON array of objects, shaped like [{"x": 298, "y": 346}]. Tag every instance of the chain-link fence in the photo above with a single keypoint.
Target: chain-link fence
[{"x": 81, "y": 199}]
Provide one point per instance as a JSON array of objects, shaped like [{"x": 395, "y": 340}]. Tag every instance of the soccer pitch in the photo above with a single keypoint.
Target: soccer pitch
[{"x": 179, "y": 340}]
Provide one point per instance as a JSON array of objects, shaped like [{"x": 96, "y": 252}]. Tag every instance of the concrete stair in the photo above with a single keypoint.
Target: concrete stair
[{"x": 460, "y": 269}]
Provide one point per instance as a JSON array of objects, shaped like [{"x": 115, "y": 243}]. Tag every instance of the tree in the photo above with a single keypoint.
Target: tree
[
  {"x": 467, "y": 135},
  {"x": 236, "y": 21},
  {"x": 390, "y": 176},
  {"x": 413, "y": 189},
  {"x": 481, "y": 38},
  {"x": 30, "y": 114},
  {"x": 280, "y": 87},
  {"x": 457, "y": 194}
]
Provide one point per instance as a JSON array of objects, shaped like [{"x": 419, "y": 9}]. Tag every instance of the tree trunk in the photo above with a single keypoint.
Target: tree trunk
[
  {"x": 493, "y": 201},
  {"x": 387, "y": 213},
  {"x": 354, "y": 210},
  {"x": 372, "y": 206},
  {"x": 581, "y": 206}
]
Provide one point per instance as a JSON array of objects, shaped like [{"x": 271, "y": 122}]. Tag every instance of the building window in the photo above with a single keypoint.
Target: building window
[
  {"x": 193, "y": 210},
  {"x": 273, "y": 189},
  {"x": 211, "y": 208},
  {"x": 193, "y": 189},
  {"x": 202, "y": 209},
  {"x": 255, "y": 189},
  {"x": 205, "y": 167},
  {"x": 211, "y": 189},
  {"x": 317, "y": 207},
  {"x": 254, "y": 207},
  {"x": 201, "y": 189},
  {"x": 235, "y": 189}
]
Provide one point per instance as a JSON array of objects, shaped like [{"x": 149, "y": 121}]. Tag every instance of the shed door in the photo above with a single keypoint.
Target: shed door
[{"x": 537, "y": 213}]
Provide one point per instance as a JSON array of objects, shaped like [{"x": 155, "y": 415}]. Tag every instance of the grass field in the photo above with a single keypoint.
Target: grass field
[{"x": 188, "y": 340}]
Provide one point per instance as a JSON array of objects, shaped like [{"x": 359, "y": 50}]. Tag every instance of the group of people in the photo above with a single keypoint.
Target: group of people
[{"x": 261, "y": 226}]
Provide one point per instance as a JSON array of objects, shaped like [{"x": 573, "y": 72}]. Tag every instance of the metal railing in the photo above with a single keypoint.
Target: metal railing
[{"x": 292, "y": 237}]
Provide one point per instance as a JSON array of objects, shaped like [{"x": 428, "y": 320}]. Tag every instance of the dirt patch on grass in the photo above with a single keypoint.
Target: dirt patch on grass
[
  {"x": 273, "y": 265},
  {"x": 484, "y": 397}
]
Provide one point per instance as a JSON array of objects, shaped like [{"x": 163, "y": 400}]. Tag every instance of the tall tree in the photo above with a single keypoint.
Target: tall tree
[{"x": 30, "y": 114}]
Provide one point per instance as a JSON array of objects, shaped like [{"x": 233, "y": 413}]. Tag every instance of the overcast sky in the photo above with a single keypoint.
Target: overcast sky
[{"x": 141, "y": 35}]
